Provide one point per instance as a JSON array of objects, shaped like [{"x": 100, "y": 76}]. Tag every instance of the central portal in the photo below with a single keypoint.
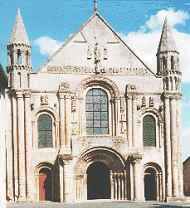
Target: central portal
[{"x": 98, "y": 181}]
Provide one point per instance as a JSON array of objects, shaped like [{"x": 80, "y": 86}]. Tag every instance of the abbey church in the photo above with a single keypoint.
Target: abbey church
[{"x": 94, "y": 122}]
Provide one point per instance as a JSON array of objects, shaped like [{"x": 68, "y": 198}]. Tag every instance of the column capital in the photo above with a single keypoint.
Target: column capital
[
  {"x": 27, "y": 93},
  {"x": 65, "y": 95},
  {"x": 172, "y": 95},
  {"x": 19, "y": 94},
  {"x": 135, "y": 158}
]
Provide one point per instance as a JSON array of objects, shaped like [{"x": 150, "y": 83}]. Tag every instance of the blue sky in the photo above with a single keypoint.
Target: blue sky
[{"x": 49, "y": 23}]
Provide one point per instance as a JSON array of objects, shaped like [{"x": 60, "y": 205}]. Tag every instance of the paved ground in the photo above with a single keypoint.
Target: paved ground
[{"x": 98, "y": 204}]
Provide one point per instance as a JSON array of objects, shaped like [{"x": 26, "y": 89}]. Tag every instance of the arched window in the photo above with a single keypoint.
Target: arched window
[
  {"x": 172, "y": 62},
  {"x": 97, "y": 112},
  {"x": 27, "y": 58},
  {"x": 149, "y": 131},
  {"x": 45, "y": 131},
  {"x": 19, "y": 57},
  {"x": 164, "y": 63}
]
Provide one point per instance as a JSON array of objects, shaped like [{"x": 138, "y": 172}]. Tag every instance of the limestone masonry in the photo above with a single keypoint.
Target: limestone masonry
[{"x": 94, "y": 122}]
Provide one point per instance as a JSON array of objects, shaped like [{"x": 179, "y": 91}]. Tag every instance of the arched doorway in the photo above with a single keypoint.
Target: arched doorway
[
  {"x": 98, "y": 181},
  {"x": 45, "y": 184},
  {"x": 150, "y": 184}
]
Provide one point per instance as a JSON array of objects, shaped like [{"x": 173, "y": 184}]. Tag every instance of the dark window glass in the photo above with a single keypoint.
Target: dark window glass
[
  {"x": 45, "y": 131},
  {"x": 97, "y": 112},
  {"x": 149, "y": 131}
]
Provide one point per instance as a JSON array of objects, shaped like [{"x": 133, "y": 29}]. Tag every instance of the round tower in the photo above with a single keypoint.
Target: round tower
[{"x": 19, "y": 56}]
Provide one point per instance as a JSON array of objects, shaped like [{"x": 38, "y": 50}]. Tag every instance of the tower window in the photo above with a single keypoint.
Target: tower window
[
  {"x": 27, "y": 58},
  {"x": 149, "y": 131},
  {"x": 172, "y": 62},
  {"x": 164, "y": 62},
  {"x": 97, "y": 112},
  {"x": 45, "y": 131},
  {"x": 19, "y": 57}
]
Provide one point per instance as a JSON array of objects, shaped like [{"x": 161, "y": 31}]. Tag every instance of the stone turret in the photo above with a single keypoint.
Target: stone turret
[
  {"x": 169, "y": 70},
  {"x": 19, "y": 56},
  {"x": 168, "y": 60}
]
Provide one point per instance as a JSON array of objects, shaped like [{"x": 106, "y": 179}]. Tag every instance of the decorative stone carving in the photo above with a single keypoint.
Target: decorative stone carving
[
  {"x": 105, "y": 54},
  {"x": 143, "y": 101},
  {"x": 89, "y": 53},
  {"x": 161, "y": 108},
  {"x": 64, "y": 86},
  {"x": 135, "y": 157},
  {"x": 73, "y": 104},
  {"x": 151, "y": 102},
  {"x": 44, "y": 100},
  {"x": 97, "y": 56}
]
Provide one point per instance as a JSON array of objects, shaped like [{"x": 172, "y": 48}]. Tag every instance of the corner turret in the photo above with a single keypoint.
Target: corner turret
[{"x": 19, "y": 56}]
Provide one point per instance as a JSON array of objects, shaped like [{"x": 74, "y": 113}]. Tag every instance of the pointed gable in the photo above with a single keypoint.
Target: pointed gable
[
  {"x": 79, "y": 50},
  {"x": 19, "y": 34}
]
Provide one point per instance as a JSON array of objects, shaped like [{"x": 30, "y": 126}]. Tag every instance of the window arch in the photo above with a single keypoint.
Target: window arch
[
  {"x": 19, "y": 57},
  {"x": 45, "y": 136},
  {"x": 149, "y": 131},
  {"x": 97, "y": 116}
]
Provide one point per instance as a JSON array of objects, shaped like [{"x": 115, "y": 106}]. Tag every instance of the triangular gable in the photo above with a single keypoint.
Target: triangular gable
[{"x": 78, "y": 53}]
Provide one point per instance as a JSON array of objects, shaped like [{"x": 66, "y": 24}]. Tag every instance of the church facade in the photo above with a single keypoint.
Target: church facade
[{"x": 94, "y": 122}]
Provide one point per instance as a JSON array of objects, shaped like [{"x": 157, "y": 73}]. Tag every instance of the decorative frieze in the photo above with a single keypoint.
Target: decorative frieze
[
  {"x": 44, "y": 100},
  {"x": 90, "y": 70}
]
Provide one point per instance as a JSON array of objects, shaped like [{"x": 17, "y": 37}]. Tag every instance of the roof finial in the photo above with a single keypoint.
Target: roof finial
[{"x": 95, "y": 6}]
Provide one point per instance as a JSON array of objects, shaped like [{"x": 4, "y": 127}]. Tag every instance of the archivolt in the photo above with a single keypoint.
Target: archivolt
[
  {"x": 102, "y": 81},
  {"x": 112, "y": 159}
]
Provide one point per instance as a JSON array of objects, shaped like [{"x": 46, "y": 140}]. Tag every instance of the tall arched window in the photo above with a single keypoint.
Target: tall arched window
[
  {"x": 45, "y": 131},
  {"x": 172, "y": 62},
  {"x": 19, "y": 57},
  {"x": 97, "y": 121},
  {"x": 149, "y": 131}
]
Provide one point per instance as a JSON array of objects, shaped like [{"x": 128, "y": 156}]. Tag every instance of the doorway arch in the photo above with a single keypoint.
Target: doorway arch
[
  {"x": 153, "y": 182},
  {"x": 45, "y": 184},
  {"x": 111, "y": 164},
  {"x": 150, "y": 185},
  {"x": 98, "y": 181}
]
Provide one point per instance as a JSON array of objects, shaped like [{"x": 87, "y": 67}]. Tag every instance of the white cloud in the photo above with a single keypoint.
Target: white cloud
[
  {"x": 174, "y": 17},
  {"x": 145, "y": 41},
  {"x": 47, "y": 45}
]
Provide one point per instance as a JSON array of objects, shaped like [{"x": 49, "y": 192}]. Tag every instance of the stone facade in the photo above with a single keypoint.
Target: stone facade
[{"x": 56, "y": 152}]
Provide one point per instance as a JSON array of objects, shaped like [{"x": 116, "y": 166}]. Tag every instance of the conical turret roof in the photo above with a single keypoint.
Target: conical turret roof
[
  {"x": 167, "y": 42},
  {"x": 19, "y": 34}
]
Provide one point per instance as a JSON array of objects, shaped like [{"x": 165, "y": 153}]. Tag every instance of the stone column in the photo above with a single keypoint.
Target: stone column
[
  {"x": 68, "y": 181},
  {"x": 68, "y": 122},
  {"x": 15, "y": 144},
  {"x": 125, "y": 184},
  {"x": 112, "y": 184},
  {"x": 119, "y": 185},
  {"x": 116, "y": 186},
  {"x": 132, "y": 181},
  {"x": 21, "y": 147},
  {"x": 180, "y": 163},
  {"x": 68, "y": 177},
  {"x": 61, "y": 177},
  {"x": 122, "y": 186},
  {"x": 129, "y": 120},
  {"x": 64, "y": 95},
  {"x": 134, "y": 118},
  {"x": 117, "y": 113},
  {"x": 174, "y": 148},
  {"x": 28, "y": 139},
  {"x": 62, "y": 119},
  {"x": 168, "y": 148},
  {"x": 138, "y": 177}
]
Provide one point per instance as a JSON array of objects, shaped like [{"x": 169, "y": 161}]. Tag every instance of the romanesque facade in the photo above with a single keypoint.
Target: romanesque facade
[{"x": 94, "y": 122}]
